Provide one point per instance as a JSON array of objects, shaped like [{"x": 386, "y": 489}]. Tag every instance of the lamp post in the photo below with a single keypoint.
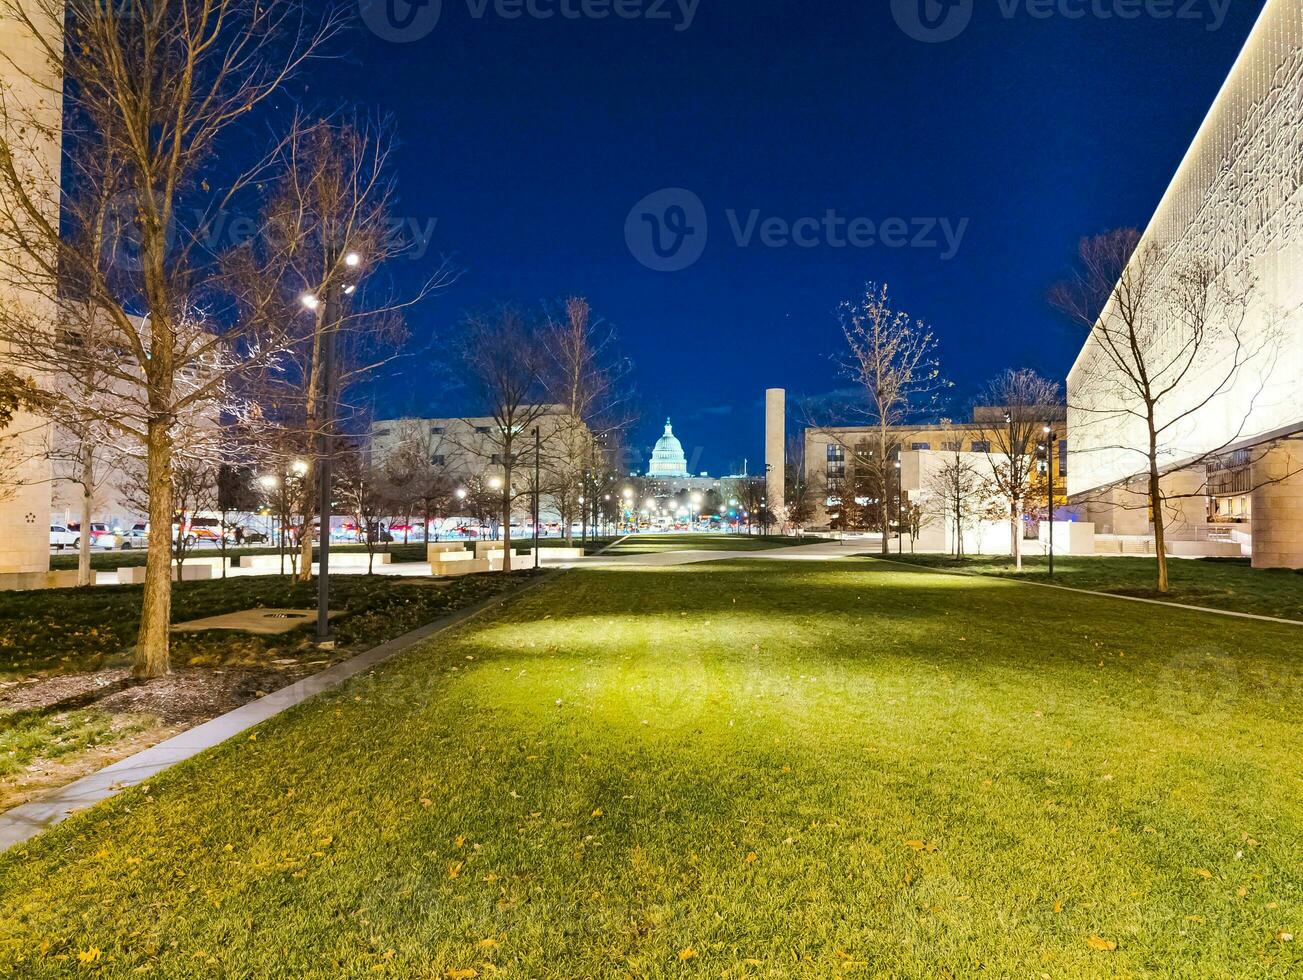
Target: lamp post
[
  {"x": 538, "y": 451},
  {"x": 900, "y": 509},
  {"x": 1050, "y": 445},
  {"x": 330, "y": 319}
]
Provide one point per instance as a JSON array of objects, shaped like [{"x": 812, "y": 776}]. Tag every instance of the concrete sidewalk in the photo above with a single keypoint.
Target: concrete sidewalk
[{"x": 820, "y": 551}]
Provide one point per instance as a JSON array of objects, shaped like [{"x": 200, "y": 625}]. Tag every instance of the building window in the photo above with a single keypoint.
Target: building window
[
  {"x": 497, "y": 459},
  {"x": 981, "y": 446},
  {"x": 482, "y": 430},
  {"x": 438, "y": 460},
  {"x": 835, "y": 453},
  {"x": 436, "y": 430},
  {"x": 1063, "y": 458},
  {"x": 380, "y": 434},
  {"x": 953, "y": 447},
  {"x": 918, "y": 446}
]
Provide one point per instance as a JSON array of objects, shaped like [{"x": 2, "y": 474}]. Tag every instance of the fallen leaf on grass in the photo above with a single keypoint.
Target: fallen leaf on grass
[
  {"x": 1101, "y": 944},
  {"x": 1202, "y": 872},
  {"x": 465, "y": 974},
  {"x": 1058, "y": 907},
  {"x": 752, "y": 857},
  {"x": 454, "y": 870},
  {"x": 687, "y": 954},
  {"x": 89, "y": 955}
]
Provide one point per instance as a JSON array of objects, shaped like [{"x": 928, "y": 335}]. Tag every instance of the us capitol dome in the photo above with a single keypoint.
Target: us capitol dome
[{"x": 667, "y": 459}]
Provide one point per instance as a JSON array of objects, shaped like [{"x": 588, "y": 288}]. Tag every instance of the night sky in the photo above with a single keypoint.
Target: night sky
[{"x": 531, "y": 140}]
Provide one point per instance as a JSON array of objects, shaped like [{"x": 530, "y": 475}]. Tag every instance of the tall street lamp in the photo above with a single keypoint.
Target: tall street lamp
[
  {"x": 900, "y": 509},
  {"x": 330, "y": 319},
  {"x": 1051, "y": 439},
  {"x": 538, "y": 452}
]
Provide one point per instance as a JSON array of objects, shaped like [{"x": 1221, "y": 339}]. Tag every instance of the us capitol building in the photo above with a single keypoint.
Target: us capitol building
[{"x": 668, "y": 473}]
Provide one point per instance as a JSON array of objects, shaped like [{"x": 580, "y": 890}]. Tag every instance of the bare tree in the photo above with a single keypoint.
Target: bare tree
[
  {"x": 504, "y": 365},
  {"x": 953, "y": 495},
  {"x": 361, "y": 488},
  {"x": 1167, "y": 341},
  {"x": 1011, "y": 418},
  {"x": 155, "y": 89},
  {"x": 587, "y": 380},
  {"x": 326, "y": 230},
  {"x": 799, "y": 495},
  {"x": 892, "y": 359}
]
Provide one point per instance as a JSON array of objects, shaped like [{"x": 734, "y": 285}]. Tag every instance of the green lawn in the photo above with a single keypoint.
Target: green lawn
[
  {"x": 725, "y": 770},
  {"x": 648, "y": 544},
  {"x": 1219, "y": 583}
]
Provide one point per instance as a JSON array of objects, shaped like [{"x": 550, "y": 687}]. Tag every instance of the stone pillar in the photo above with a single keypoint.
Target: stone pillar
[
  {"x": 29, "y": 127},
  {"x": 1278, "y": 505},
  {"x": 775, "y": 449}
]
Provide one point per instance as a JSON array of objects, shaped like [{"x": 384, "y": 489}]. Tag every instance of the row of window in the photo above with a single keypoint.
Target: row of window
[{"x": 837, "y": 454}]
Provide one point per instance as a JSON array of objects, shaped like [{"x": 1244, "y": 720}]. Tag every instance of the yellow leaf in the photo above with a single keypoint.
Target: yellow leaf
[
  {"x": 426, "y": 801},
  {"x": 465, "y": 974},
  {"x": 89, "y": 955},
  {"x": 687, "y": 954},
  {"x": 597, "y": 812},
  {"x": 461, "y": 839},
  {"x": 752, "y": 857},
  {"x": 1284, "y": 937},
  {"x": 1202, "y": 872},
  {"x": 1101, "y": 944},
  {"x": 1241, "y": 891},
  {"x": 454, "y": 870},
  {"x": 918, "y": 845},
  {"x": 1058, "y": 907}
]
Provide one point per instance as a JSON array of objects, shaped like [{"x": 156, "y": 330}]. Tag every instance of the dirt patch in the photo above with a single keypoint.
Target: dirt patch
[{"x": 45, "y": 692}]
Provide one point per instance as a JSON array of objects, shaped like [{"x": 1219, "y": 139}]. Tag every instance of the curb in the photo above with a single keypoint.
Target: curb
[{"x": 24, "y": 822}]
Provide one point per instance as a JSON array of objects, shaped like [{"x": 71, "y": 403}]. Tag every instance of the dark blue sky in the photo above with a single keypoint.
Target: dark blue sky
[{"x": 531, "y": 140}]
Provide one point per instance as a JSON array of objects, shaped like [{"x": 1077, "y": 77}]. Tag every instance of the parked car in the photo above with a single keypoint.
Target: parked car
[
  {"x": 103, "y": 536},
  {"x": 62, "y": 537},
  {"x": 255, "y": 537},
  {"x": 137, "y": 536}
]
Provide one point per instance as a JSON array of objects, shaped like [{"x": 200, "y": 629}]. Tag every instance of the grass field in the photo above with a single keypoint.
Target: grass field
[
  {"x": 1217, "y": 583},
  {"x": 649, "y": 544},
  {"x": 725, "y": 770}
]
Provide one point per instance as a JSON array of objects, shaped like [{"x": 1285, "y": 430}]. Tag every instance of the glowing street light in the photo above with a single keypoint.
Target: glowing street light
[
  {"x": 461, "y": 493},
  {"x": 268, "y": 482},
  {"x": 352, "y": 260},
  {"x": 310, "y": 301}
]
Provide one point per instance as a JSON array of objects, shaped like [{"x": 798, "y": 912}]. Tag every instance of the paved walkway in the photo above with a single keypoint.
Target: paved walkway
[{"x": 822, "y": 551}]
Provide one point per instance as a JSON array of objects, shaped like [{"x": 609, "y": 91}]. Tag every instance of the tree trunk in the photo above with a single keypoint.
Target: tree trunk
[
  {"x": 1160, "y": 524},
  {"x": 309, "y": 512},
  {"x": 84, "y": 574},
  {"x": 151, "y": 658},
  {"x": 506, "y": 515},
  {"x": 1015, "y": 536}
]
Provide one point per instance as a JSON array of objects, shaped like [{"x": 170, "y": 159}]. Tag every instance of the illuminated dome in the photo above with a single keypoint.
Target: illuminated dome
[{"x": 667, "y": 458}]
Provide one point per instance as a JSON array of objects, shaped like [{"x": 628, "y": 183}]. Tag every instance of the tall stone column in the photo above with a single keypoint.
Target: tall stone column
[
  {"x": 30, "y": 124},
  {"x": 1278, "y": 506},
  {"x": 775, "y": 449}
]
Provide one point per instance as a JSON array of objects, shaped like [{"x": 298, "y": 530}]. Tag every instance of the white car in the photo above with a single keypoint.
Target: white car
[{"x": 61, "y": 537}]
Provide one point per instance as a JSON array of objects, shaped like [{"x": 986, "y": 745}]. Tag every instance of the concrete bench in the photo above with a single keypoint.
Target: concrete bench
[
  {"x": 448, "y": 551},
  {"x": 463, "y": 567},
  {"x": 561, "y": 554},
  {"x": 189, "y": 573},
  {"x": 338, "y": 559}
]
